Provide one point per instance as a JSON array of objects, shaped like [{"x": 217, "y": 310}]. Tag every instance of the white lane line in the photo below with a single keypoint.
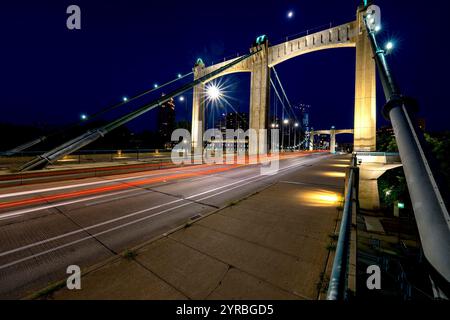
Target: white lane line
[
  {"x": 60, "y": 204},
  {"x": 259, "y": 177},
  {"x": 121, "y": 218},
  {"x": 24, "y": 193},
  {"x": 150, "y": 209},
  {"x": 13, "y": 214}
]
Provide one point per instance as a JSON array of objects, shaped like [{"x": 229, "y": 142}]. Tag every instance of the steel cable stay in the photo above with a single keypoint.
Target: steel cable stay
[
  {"x": 284, "y": 93},
  {"x": 92, "y": 135},
  {"x": 99, "y": 113}
]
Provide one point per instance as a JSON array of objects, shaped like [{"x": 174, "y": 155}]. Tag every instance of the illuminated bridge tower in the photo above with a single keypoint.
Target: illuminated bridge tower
[
  {"x": 348, "y": 35},
  {"x": 365, "y": 90}
]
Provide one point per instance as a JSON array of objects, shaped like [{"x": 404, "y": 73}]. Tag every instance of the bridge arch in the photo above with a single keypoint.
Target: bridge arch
[
  {"x": 332, "y": 133},
  {"x": 348, "y": 35}
]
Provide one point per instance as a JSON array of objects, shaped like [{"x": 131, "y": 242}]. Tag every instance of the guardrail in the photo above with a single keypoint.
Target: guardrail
[{"x": 337, "y": 289}]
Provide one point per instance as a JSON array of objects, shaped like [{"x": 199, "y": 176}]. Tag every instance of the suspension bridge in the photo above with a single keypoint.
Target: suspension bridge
[{"x": 197, "y": 213}]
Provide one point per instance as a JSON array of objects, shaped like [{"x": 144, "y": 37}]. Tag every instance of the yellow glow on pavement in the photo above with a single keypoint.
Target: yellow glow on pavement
[
  {"x": 334, "y": 174},
  {"x": 320, "y": 198},
  {"x": 340, "y": 165}
]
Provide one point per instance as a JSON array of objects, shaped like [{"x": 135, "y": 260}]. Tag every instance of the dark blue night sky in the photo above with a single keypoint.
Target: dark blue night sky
[{"x": 50, "y": 75}]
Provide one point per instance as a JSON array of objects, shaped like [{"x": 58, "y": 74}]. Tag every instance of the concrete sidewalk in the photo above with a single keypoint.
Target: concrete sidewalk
[{"x": 274, "y": 244}]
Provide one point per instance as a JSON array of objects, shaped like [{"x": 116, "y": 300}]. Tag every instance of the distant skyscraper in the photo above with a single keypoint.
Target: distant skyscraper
[
  {"x": 237, "y": 120},
  {"x": 166, "y": 123}
]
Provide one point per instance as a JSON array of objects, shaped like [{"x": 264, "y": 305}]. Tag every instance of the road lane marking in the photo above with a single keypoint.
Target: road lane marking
[
  {"x": 16, "y": 213},
  {"x": 258, "y": 177},
  {"x": 60, "y": 204},
  {"x": 87, "y": 184},
  {"x": 115, "y": 187},
  {"x": 255, "y": 178},
  {"x": 106, "y": 181}
]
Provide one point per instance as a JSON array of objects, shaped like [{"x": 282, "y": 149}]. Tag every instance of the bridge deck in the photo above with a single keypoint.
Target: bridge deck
[{"x": 272, "y": 245}]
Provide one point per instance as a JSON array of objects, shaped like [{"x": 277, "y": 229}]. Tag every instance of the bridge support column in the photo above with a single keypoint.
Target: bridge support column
[
  {"x": 198, "y": 114},
  {"x": 333, "y": 141},
  {"x": 311, "y": 141},
  {"x": 259, "y": 96},
  {"x": 365, "y": 90}
]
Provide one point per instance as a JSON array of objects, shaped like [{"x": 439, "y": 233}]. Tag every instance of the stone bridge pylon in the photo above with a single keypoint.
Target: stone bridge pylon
[{"x": 352, "y": 34}]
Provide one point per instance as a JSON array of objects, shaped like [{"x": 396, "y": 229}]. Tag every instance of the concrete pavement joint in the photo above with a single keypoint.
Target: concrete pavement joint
[
  {"x": 93, "y": 236},
  {"x": 235, "y": 267},
  {"x": 252, "y": 242}
]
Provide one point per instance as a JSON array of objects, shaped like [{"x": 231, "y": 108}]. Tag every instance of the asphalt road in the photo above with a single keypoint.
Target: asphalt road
[{"x": 45, "y": 228}]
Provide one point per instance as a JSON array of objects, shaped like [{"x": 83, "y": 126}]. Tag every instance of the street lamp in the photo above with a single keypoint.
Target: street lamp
[
  {"x": 389, "y": 46},
  {"x": 155, "y": 85},
  {"x": 181, "y": 98},
  {"x": 296, "y": 125},
  {"x": 124, "y": 99},
  {"x": 286, "y": 121},
  {"x": 213, "y": 92},
  {"x": 83, "y": 117}
]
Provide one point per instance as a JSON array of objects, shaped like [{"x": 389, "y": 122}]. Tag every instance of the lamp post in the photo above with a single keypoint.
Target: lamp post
[
  {"x": 428, "y": 203},
  {"x": 296, "y": 125},
  {"x": 285, "y": 123}
]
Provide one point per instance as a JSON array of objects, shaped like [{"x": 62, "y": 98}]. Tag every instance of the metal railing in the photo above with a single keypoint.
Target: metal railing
[{"x": 337, "y": 289}]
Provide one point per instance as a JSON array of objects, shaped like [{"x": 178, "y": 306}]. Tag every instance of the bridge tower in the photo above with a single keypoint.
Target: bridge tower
[
  {"x": 333, "y": 140},
  {"x": 352, "y": 34},
  {"x": 198, "y": 110},
  {"x": 365, "y": 89},
  {"x": 259, "y": 92}
]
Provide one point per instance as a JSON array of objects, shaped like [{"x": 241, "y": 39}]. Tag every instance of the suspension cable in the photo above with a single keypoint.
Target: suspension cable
[
  {"x": 279, "y": 97},
  {"x": 34, "y": 142},
  {"x": 284, "y": 93}
]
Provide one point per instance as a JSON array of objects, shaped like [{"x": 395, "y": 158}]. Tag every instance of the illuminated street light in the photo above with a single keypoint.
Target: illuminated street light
[
  {"x": 296, "y": 125},
  {"x": 286, "y": 121},
  {"x": 290, "y": 14},
  {"x": 213, "y": 92},
  {"x": 273, "y": 125},
  {"x": 83, "y": 117},
  {"x": 155, "y": 85},
  {"x": 179, "y": 75},
  {"x": 124, "y": 99},
  {"x": 389, "y": 46},
  {"x": 181, "y": 98}
]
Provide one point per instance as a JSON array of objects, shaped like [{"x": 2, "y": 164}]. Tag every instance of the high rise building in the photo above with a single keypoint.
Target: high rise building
[
  {"x": 166, "y": 123},
  {"x": 237, "y": 120}
]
